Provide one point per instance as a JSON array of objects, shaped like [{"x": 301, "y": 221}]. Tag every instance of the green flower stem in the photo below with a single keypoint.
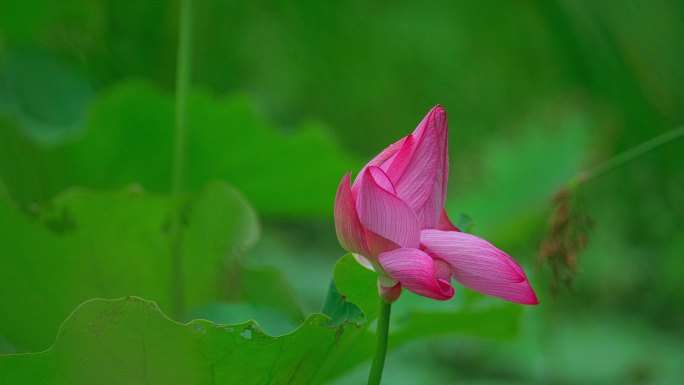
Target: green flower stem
[
  {"x": 182, "y": 83},
  {"x": 381, "y": 347},
  {"x": 632, "y": 153}
]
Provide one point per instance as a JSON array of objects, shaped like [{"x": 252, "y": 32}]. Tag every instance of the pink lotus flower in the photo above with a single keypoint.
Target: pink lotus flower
[{"x": 392, "y": 218}]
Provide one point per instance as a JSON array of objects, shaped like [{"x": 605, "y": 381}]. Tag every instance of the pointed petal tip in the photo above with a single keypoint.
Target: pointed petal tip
[
  {"x": 480, "y": 266},
  {"x": 531, "y": 297},
  {"x": 347, "y": 176},
  {"x": 439, "y": 111}
]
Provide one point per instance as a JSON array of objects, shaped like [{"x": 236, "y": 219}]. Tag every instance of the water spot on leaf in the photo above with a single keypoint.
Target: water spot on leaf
[
  {"x": 184, "y": 219},
  {"x": 247, "y": 333},
  {"x": 60, "y": 222}
]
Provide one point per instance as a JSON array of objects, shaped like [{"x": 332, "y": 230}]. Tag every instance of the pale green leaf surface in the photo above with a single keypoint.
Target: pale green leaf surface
[
  {"x": 339, "y": 309},
  {"x": 129, "y": 341},
  {"x": 88, "y": 244}
]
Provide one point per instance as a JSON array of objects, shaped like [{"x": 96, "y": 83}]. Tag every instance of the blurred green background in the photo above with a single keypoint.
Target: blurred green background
[{"x": 286, "y": 97}]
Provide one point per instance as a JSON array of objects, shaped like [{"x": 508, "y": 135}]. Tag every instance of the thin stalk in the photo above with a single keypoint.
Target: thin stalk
[
  {"x": 632, "y": 153},
  {"x": 381, "y": 345},
  {"x": 178, "y": 178}
]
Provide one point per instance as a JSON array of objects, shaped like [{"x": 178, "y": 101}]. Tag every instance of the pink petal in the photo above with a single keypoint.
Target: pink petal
[
  {"x": 415, "y": 270},
  {"x": 418, "y": 167},
  {"x": 413, "y": 168},
  {"x": 382, "y": 179},
  {"x": 378, "y": 244},
  {"x": 350, "y": 233},
  {"x": 478, "y": 265},
  {"x": 432, "y": 210},
  {"x": 384, "y": 214}
]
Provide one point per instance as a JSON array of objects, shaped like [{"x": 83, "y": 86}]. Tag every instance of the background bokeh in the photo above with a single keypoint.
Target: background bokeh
[{"x": 287, "y": 96}]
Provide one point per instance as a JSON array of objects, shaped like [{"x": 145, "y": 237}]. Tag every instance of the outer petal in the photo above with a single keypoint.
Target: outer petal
[
  {"x": 350, "y": 233},
  {"x": 479, "y": 265},
  {"x": 383, "y": 213},
  {"x": 432, "y": 210},
  {"x": 417, "y": 165},
  {"x": 415, "y": 270},
  {"x": 413, "y": 168}
]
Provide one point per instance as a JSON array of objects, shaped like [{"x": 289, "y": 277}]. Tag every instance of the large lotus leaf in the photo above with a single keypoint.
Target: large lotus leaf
[
  {"x": 129, "y": 341},
  {"x": 87, "y": 244},
  {"x": 128, "y": 138}
]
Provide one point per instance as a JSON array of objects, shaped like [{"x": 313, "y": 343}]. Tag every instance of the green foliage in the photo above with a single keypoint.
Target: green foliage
[
  {"x": 129, "y": 341},
  {"x": 339, "y": 309},
  {"x": 103, "y": 336},
  {"x": 416, "y": 317},
  {"x": 516, "y": 179},
  {"x": 534, "y": 91},
  {"x": 89, "y": 244},
  {"x": 46, "y": 97},
  {"x": 128, "y": 137},
  {"x": 357, "y": 284}
]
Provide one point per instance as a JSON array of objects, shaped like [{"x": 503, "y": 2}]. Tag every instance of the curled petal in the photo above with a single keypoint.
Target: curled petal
[
  {"x": 415, "y": 270},
  {"x": 383, "y": 213},
  {"x": 478, "y": 265},
  {"x": 350, "y": 233},
  {"x": 442, "y": 269}
]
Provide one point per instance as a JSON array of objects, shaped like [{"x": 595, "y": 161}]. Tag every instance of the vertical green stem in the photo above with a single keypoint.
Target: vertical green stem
[
  {"x": 179, "y": 150},
  {"x": 381, "y": 346}
]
